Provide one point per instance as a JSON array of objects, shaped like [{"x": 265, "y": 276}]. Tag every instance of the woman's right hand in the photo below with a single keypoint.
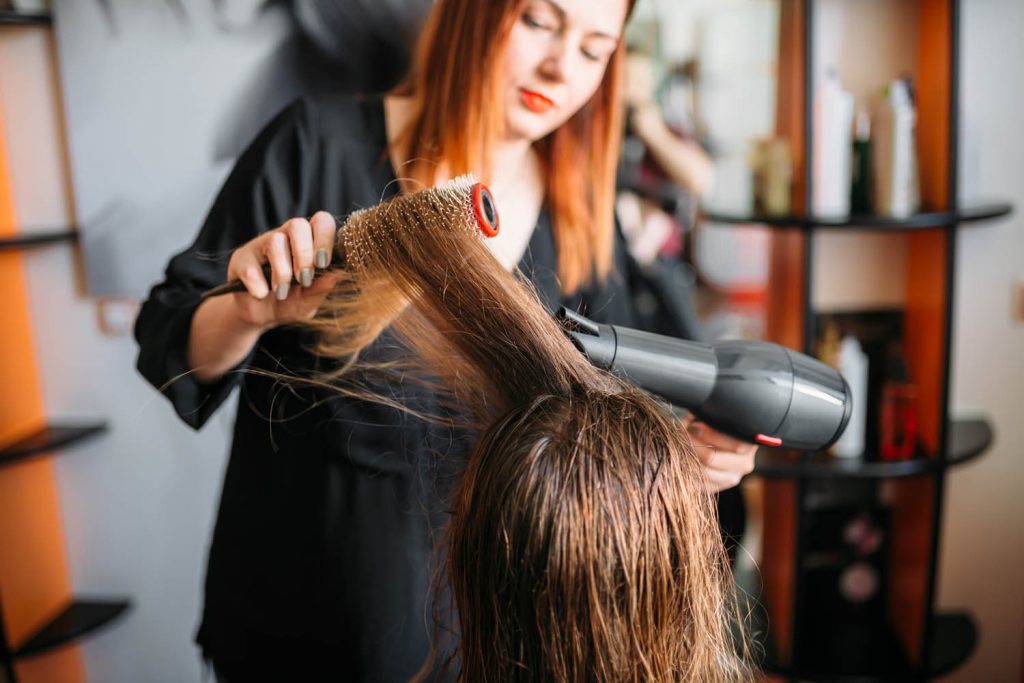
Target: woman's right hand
[
  {"x": 292, "y": 250},
  {"x": 225, "y": 329}
]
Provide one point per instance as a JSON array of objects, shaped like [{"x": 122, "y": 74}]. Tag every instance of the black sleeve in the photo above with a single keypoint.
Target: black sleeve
[{"x": 269, "y": 184}]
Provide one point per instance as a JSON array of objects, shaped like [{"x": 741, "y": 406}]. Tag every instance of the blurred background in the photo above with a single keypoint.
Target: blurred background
[{"x": 848, "y": 183}]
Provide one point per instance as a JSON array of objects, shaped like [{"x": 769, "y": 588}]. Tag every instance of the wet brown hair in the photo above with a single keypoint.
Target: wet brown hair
[{"x": 583, "y": 543}]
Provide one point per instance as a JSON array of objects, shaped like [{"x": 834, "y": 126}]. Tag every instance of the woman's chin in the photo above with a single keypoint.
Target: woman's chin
[{"x": 527, "y": 125}]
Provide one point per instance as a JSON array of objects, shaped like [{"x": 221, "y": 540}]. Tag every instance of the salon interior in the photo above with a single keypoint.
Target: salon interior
[{"x": 838, "y": 177}]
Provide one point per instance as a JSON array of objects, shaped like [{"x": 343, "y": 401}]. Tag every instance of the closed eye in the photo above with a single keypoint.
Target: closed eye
[{"x": 534, "y": 23}]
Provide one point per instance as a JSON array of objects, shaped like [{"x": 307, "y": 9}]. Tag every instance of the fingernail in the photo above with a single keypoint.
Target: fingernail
[
  {"x": 306, "y": 277},
  {"x": 282, "y": 291},
  {"x": 321, "y": 258}
]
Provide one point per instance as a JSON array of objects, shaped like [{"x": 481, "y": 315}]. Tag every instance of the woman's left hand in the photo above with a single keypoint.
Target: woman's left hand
[{"x": 726, "y": 459}]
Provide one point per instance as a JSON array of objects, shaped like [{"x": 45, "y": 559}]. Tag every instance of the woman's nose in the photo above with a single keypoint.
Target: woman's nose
[{"x": 555, "y": 65}]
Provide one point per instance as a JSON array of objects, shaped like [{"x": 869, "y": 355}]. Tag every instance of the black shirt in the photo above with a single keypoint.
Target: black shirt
[{"x": 322, "y": 556}]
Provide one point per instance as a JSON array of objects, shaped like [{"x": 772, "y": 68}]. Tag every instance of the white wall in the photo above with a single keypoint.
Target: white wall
[
  {"x": 138, "y": 503},
  {"x": 983, "y": 538}
]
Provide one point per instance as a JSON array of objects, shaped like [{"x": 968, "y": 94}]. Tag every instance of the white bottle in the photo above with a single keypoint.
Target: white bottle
[
  {"x": 833, "y": 123},
  {"x": 853, "y": 366},
  {"x": 895, "y": 154}
]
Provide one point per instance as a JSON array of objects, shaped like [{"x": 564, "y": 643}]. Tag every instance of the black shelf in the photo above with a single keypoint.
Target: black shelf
[
  {"x": 41, "y": 239},
  {"x": 80, "y": 618},
  {"x": 49, "y": 438},
  {"x": 12, "y": 18},
  {"x": 953, "y": 642},
  {"x": 954, "y": 637},
  {"x": 968, "y": 438},
  {"x": 919, "y": 221}
]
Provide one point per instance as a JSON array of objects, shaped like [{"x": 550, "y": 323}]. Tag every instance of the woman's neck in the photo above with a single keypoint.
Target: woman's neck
[
  {"x": 511, "y": 160},
  {"x": 517, "y": 182}
]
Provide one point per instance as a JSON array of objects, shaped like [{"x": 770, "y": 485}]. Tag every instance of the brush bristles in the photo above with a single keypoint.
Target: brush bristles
[{"x": 446, "y": 207}]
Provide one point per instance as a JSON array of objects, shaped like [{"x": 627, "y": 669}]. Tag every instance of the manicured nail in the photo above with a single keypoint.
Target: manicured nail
[
  {"x": 282, "y": 291},
  {"x": 321, "y": 258},
  {"x": 306, "y": 277}
]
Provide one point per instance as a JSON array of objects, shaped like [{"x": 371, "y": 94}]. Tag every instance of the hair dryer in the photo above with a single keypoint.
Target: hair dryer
[{"x": 754, "y": 390}]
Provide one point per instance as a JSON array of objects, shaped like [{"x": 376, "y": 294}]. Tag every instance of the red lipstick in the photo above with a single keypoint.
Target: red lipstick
[{"x": 534, "y": 101}]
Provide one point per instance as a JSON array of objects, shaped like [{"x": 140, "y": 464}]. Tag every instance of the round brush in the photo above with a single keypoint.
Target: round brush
[{"x": 461, "y": 203}]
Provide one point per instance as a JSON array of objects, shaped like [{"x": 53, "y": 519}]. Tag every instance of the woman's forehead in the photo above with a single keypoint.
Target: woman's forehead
[{"x": 593, "y": 16}]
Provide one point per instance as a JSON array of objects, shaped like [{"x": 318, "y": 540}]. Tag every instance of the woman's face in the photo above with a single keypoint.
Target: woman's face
[{"x": 556, "y": 57}]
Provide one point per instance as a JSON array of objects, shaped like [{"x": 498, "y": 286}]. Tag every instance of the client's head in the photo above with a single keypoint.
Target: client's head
[
  {"x": 583, "y": 543},
  {"x": 583, "y": 547}
]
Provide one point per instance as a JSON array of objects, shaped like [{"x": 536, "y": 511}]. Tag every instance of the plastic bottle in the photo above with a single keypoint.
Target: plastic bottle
[
  {"x": 898, "y": 412},
  {"x": 773, "y": 176},
  {"x": 853, "y": 366},
  {"x": 895, "y": 157},
  {"x": 860, "y": 188},
  {"x": 832, "y": 127}
]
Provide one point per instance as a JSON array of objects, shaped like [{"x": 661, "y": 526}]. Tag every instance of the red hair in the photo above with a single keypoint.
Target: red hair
[{"x": 456, "y": 78}]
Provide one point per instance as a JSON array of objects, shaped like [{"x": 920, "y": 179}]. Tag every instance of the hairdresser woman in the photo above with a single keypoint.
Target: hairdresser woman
[{"x": 321, "y": 559}]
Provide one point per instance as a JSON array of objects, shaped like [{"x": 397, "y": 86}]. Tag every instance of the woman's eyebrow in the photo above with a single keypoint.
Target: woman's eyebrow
[{"x": 560, "y": 11}]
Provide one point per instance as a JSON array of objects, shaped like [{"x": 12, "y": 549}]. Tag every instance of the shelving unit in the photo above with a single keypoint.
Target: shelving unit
[
  {"x": 896, "y": 635},
  {"x": 11, "y": 18},
  {"x": 48, "y": 439},
  {"x": 41, "y": 239},
  {"x": 76, "y": 620},
  {"x": 954, "y": 632},
  {"x": 968, "y": 439},
  {"x": 919, "y": 221},
  {"x": 41, "y": 617}
]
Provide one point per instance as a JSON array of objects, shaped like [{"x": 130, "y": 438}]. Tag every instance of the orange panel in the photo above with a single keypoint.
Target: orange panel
[
  {"x": 33, "y": 563},
  {"x": 934, "y": 74},
  {"x": 778, "y": 553},
  {"x": 927, "y": 268},
  {"x": 21, "y": 404},
  {"x": 784, "y": 321},
  {"x": 911, "y": 535},
  {"x": 34, "y": 580},
  {"x": 59, "y": 666},
  {"x": 924, "y": 325},
  {"x": 784, "y": 325},
  {"x": 789, "y": 99}
]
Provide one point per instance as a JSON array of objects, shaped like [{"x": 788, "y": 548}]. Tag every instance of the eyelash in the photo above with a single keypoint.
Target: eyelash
[{"x": 534, "y": 24}]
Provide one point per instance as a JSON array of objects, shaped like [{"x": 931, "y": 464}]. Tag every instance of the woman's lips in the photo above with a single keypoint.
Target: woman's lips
[{"x": 535, "y": 102}]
